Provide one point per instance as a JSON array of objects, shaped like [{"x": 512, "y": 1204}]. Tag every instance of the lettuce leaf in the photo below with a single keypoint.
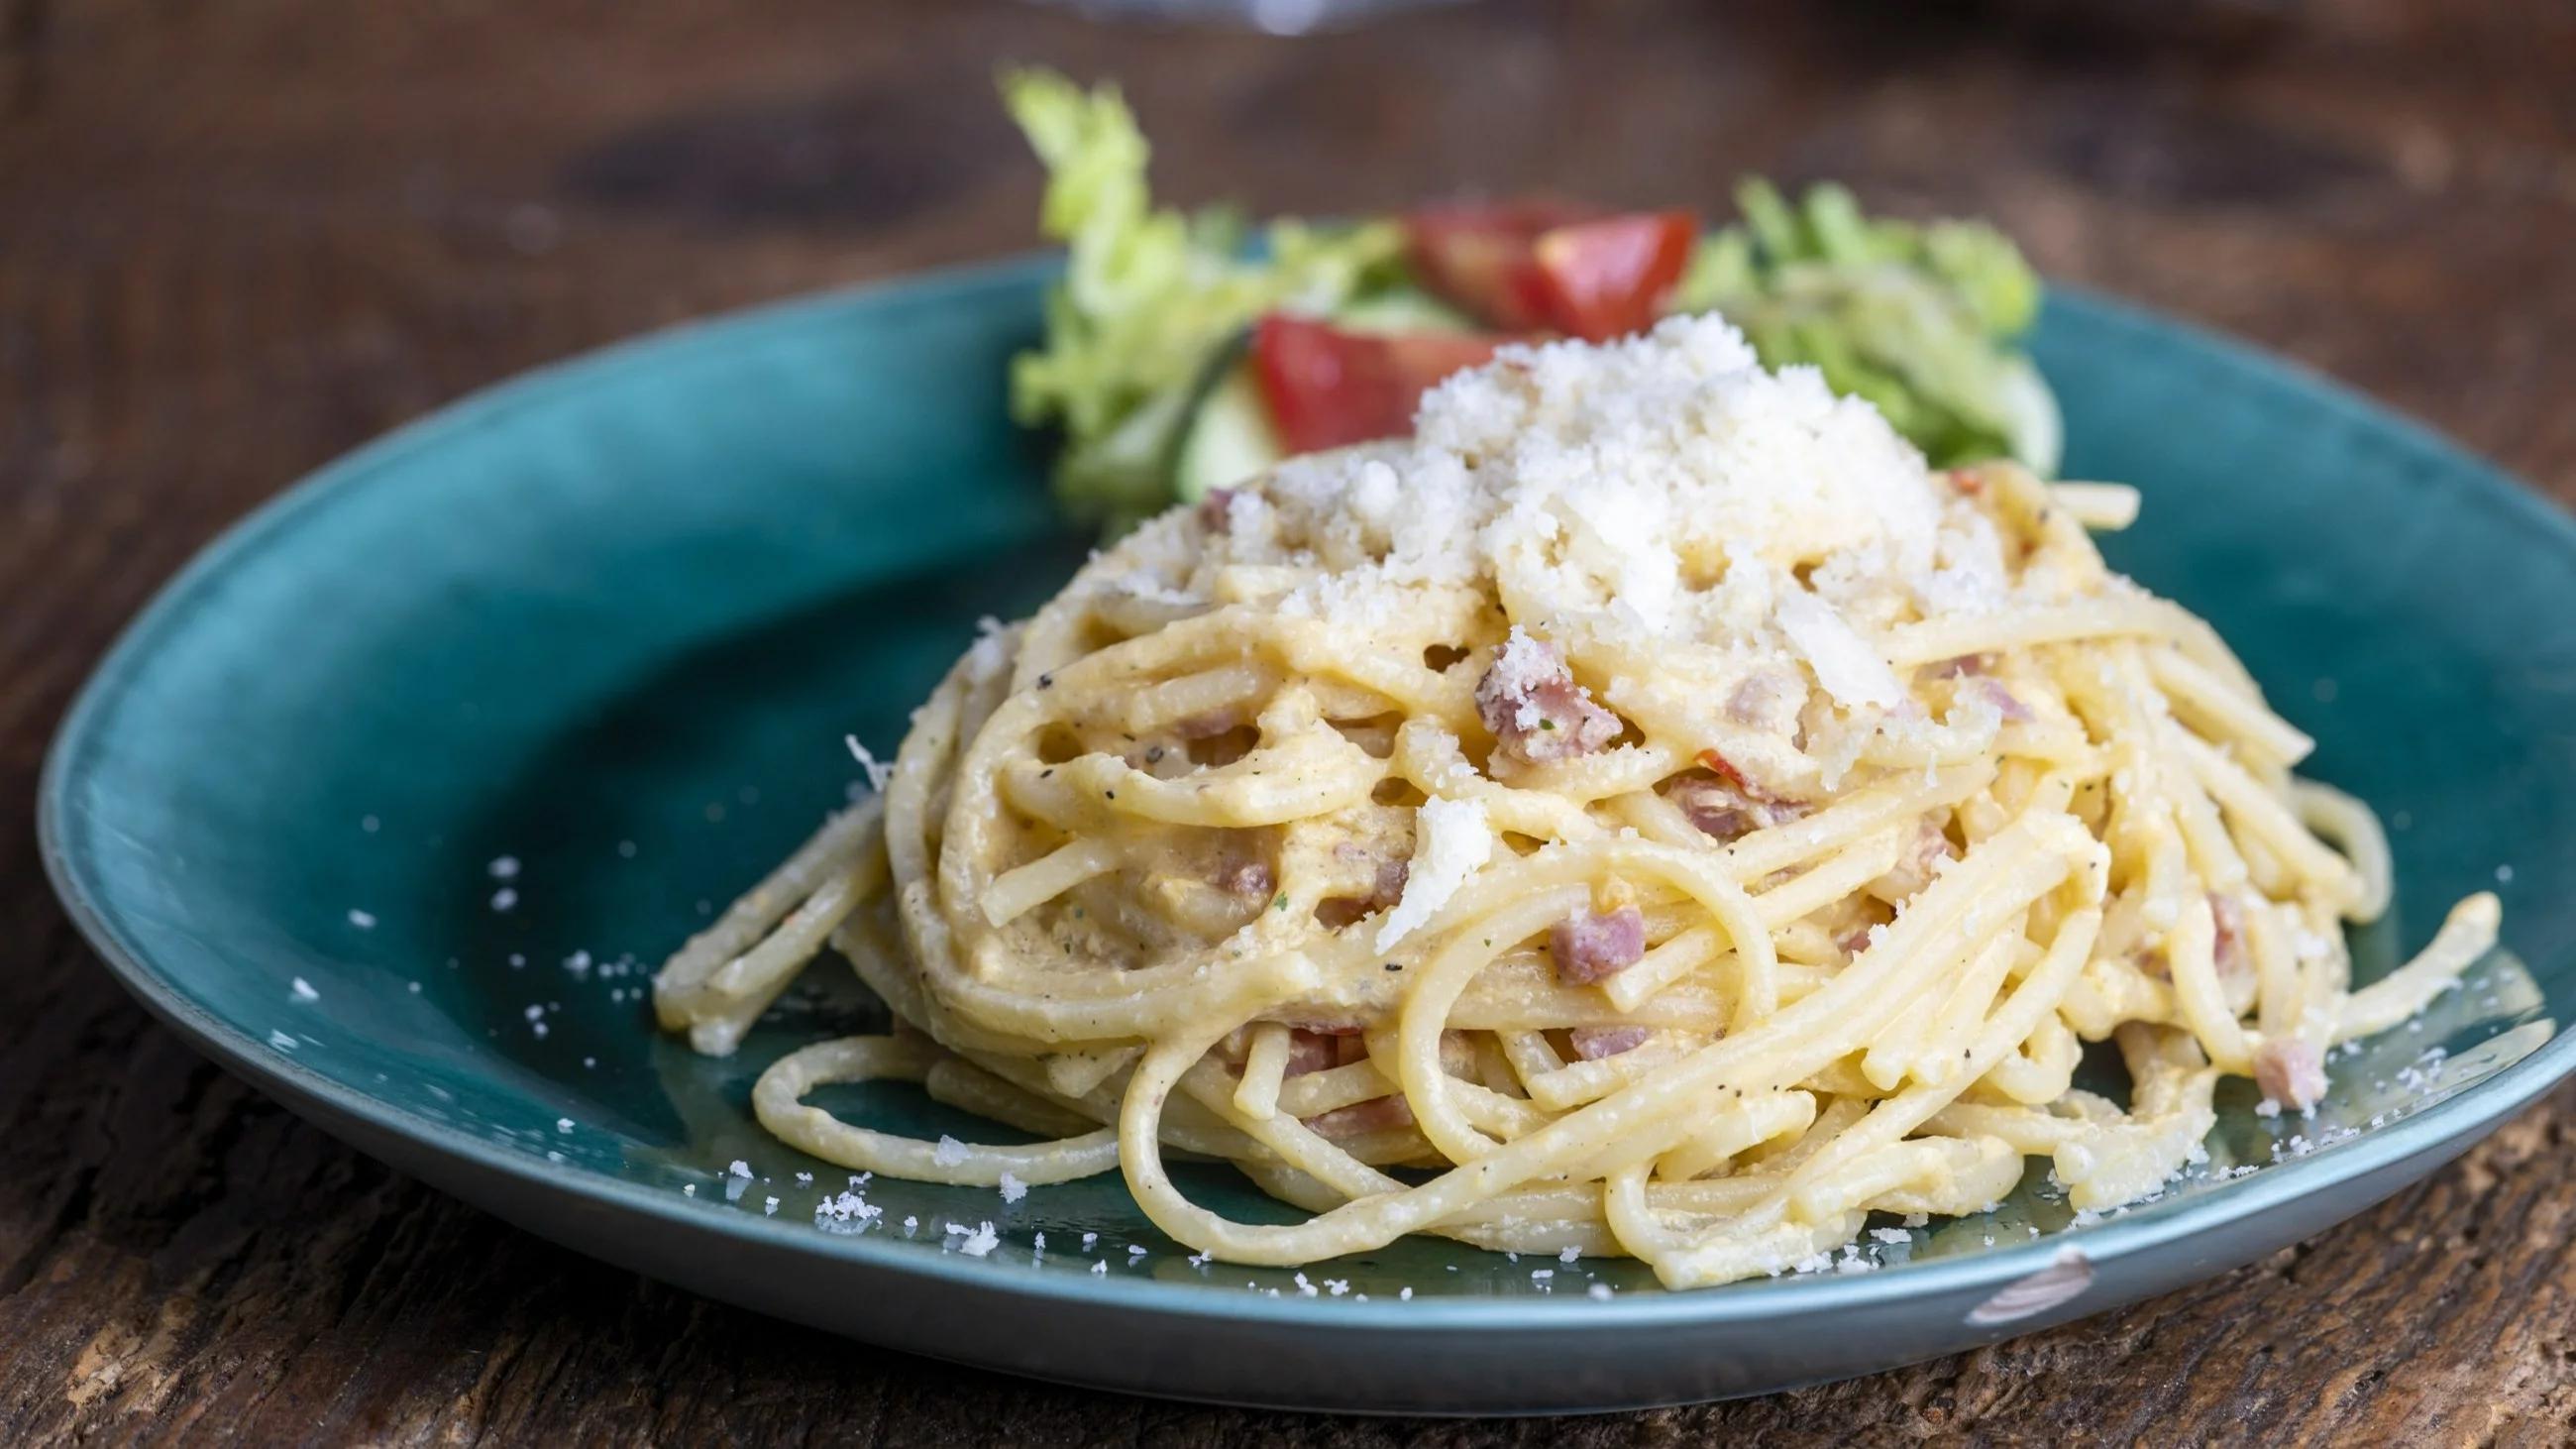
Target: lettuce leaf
[
  {"x": 1919, "y": 320},
  {"x": 1149, "y": 299}
]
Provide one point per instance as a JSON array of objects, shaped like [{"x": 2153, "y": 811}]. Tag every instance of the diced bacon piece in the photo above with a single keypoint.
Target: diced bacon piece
[
  {"x": 1250, "y": 879},
  {"x": 1726, "y": 810},
  {"x": 2290, "y": 1072},
  {"x": 2006, "y": 703},
  {"x": 1535, "y": 709},
  {"x": 1377, "y": 1114},
  {"x": 1592, "y": 1043},
  {"x": 1385, "y": 889},
  {"x": 1216, "y": 513},
  {"x": 1391, "y": 878},
  {"x": 2228, "y": 949},
  {"x": 1930, "y": 847},
  {"x": 1311, "y": 1051},
  {"x": 1953, "y": 668},
  {"x": 1589, "y": 947}
]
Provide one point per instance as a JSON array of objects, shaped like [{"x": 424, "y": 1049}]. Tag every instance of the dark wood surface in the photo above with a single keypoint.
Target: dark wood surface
[{"x": 240, "y": 236}]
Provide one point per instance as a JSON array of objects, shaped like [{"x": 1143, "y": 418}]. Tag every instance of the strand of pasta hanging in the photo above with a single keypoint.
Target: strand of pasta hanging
[{"x": 1648, "y": 811}]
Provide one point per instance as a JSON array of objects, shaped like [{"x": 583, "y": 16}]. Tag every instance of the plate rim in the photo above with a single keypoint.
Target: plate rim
[{"x": 2459, "y": 1118}]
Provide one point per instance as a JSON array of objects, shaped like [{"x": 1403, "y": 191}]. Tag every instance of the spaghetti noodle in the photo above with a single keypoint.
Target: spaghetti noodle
[{"x": 1647, "y": 811}]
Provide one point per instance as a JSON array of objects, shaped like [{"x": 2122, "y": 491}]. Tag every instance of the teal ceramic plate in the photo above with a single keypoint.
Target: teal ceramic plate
[{"x": 391, "y": 801}]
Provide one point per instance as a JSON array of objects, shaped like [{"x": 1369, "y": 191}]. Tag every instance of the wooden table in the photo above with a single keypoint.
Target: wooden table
[{"x": 236, "y": 239}]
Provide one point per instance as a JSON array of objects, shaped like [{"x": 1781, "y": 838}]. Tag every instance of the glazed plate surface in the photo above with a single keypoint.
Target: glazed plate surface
[{"x": 394, "y": 798}]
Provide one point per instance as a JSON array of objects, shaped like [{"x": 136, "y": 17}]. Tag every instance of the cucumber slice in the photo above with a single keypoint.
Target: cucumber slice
[
  {"x": 2031, "y": 420},
  {"x": 1401, "y": 309},
  {"x": 1230, "y": 439}
]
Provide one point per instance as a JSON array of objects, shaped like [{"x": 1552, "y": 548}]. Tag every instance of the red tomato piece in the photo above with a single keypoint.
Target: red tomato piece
[
  {"x": 1481, "y": 258},
  {"x": 1725, "y": 768},
  {"x": 1538, "y": 265},
  {"x": 1327, "y": 387},
  {"x": 1608, "y": 278}
]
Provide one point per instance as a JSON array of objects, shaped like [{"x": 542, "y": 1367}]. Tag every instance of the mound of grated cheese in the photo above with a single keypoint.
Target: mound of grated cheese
[
  {"x": 1626, "y": 474},
  {"x": 1678, "y": 523}
]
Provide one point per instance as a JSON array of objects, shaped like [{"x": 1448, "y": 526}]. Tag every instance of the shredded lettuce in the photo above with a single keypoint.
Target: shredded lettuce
[
  {"x": 1919, "y": 320},
  {"x": 1150, "y": 298}
]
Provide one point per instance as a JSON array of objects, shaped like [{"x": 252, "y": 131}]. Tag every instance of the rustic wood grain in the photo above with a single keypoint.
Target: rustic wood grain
[{"x": 238, "y": 238}]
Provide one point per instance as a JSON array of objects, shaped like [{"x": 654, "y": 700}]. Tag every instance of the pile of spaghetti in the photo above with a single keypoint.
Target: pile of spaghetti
[{"x": 1646, "y": 812}]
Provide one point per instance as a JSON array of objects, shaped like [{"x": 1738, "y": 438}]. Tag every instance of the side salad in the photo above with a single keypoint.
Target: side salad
[{"x": 1187, "y": 352}]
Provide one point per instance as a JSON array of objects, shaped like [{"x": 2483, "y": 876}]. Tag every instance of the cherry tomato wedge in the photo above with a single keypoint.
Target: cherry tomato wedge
[
  {"x": 1608, "y": 278},
  {"x": 1327, "y": 387},
  {"x": 1532, "y": 266},
  {"x": 1481, "y": 258}
]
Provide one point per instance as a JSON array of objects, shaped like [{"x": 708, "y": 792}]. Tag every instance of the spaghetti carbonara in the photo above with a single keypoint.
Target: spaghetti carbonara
[{"x": 1646, "y": 812}]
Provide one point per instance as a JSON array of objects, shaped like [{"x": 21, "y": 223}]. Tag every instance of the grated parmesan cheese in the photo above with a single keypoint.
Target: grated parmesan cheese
[
  {"x": 878, "y": 773},
  {"x": 1451, "y": 841},
  {"x": 1661, "y": 497},
  {"x": 1845, "y": 664},
  {"x": 846, "y": 1213}
]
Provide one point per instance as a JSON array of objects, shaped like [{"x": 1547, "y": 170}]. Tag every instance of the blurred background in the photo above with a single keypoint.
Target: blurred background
[
  {"x": 331, "y": 216},
  {"x": 238, "y": 237}
]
